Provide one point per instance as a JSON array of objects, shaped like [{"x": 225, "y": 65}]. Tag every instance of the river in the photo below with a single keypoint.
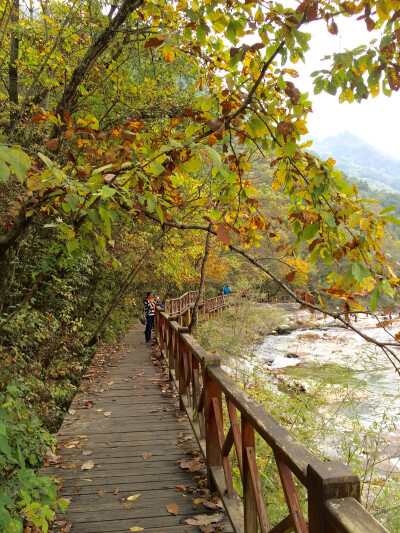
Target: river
[{"x": 338, "y": 355}]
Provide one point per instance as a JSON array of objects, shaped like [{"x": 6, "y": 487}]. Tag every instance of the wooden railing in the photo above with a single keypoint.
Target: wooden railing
[
  {"x": 178, "y": 306},
  {"x": 226, "y": 421}
]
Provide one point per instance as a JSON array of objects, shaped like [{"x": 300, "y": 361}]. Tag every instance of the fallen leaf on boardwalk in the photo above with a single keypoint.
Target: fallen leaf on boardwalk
[
  {"x": 99, "y": 410},
  {"x": 179, "y": 488},
  {"x": 136, "y": 528},
  {"x": 172, "y": 508},
  {"x": 87, "y": 452},
  {"x": 77, "y": 489},
  {"x": 133, "y": 497},
  {"x": 51, "y": 457},
  {"x": 101, "y": 493},
  {"x": 108, "y": 413},
  {"x": 66, "y": 528},
  {"x": 197, "y": 501},
  {"x": 80, "y": 445},
  {"x": 127, "y": 505},
  {"x": 181, "y": 419},
  {"x": 211, "y": 505},
  {"x": 116, "y": 491},
  {"x": 88, "y": 465},
  {"x": 72, "y": 465},
  {"x": 205, "y": 519},
  {"x": 110, "y": 383},
  {"x": 71, "y": 411},
  {"x": 146, "y": 455},
  {"x": 81, "y": 436}
]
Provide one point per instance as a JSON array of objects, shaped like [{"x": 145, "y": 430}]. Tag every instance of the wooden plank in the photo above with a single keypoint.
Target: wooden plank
[
  {"x": 346, "y": 515},
  {"x": 292, "y": 498},
  {"x": 249, "y": 499},
  {"x": 257, "y": 489},
  {"x": 142, "y": 419}
]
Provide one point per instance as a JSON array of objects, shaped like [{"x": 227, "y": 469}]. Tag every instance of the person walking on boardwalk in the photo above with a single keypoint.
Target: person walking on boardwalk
[{"x": 149, "y": 311}]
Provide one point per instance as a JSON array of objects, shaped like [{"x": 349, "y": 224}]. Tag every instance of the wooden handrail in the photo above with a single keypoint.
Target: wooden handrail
[
  {"x": 210, "y": 398},
  {"x": 176, "y": 307}
]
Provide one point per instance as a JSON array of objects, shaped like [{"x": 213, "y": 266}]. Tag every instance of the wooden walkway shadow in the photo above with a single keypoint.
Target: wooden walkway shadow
[{"x": 125, "y": 429}]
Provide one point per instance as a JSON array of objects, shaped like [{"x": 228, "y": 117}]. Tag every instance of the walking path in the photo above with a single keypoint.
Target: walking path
[{"x": 129, "y": 460}]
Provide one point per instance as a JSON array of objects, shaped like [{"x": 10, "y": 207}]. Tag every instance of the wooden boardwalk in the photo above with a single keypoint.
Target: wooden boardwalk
[{"x": 123, "y": 437}]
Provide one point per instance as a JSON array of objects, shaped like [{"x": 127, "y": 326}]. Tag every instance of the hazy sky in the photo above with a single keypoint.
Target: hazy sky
[{"x": 375, "y": 120}]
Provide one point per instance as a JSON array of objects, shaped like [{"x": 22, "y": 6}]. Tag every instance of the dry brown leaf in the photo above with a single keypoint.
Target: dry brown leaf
[
  {"x": 146, "y": 455},
  {"x": 179, "y": 488},
  {"x": 133, "y": 497},
  {"x": 51, "y": 457},
  {"x": 116, "y": 491},
  {"x": 72, "y": 465},
  {"x": 108, "y": 413},
  {"x": 101, "y": 493},
  {"x": 88, "y": 465},
  {"x": 71, "y": 411},
  {"x": 205, "y": 519},
  {"x": 127, "y": 505},
  {"x": 136, "y": 528},
  {"x": 211, "y": 505},
  {"x": 172, "y": 508},
  {"x": 197, "y": 501}
]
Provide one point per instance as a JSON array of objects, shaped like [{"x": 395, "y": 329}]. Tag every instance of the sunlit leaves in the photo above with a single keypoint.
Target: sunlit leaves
[{"x": 14, "y": 160}]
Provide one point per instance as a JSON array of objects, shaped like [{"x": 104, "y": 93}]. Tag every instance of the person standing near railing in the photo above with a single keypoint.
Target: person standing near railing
[{"x": 149, "y": 311}]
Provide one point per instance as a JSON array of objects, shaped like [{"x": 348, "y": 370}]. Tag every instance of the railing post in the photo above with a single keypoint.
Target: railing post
[
  {"x": 325, "y": 481},
  {"x": 249, "y": 500},
  {"x": 213, "y": 450}
]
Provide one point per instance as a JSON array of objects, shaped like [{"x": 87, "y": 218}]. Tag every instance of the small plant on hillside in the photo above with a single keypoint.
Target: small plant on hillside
[{"x": 24, "y": 494}]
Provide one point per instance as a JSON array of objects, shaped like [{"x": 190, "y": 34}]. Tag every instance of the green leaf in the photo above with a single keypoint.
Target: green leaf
[
  {"x": 374, "y": 299},
  {"x": 331, "y": 88},
  {"x": 48, "y": 162},
  {"x": 193, "y": 165},
  {"x": 359, "y": 272},
  {"x": 235, "y": 60},
  {"x": 72, "y": 245},
  {"x": 18, "y": 160},
  {"x": 330, "y": 220},
  {"x": 309, "y": 231},
  {"x": 4, "y": 171},
  {"x": 160, "y": 213},
  {"x": 388, "y": 209},
  {"x": 214, "y": 156}
]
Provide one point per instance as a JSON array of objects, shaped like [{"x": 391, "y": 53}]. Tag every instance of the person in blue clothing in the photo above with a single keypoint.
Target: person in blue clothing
[
  {"x": 149, "y": 311},
  {"x": 227, "y": 289}
]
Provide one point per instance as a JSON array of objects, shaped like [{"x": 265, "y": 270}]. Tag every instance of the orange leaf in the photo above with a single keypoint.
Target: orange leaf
[
  {"x": 291, "y": 276},
  {"x": 52, "y": 144},
  {"x": 153, "y": 42},
  {"x": 223, "y": 234},
  {"x": 172, "y": 508}
]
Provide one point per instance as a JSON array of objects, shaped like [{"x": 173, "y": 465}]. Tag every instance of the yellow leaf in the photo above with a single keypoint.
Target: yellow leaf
[
  {"x": 300, "y": 126},
  {"x": 133, "y": 497},
  {"x": 168, "y": 53},
  {"x": 364, "y": 223},
  {"x": 136, "y": 528}
]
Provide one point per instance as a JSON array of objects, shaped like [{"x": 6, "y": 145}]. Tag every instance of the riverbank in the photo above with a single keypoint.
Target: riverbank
[{"x": 338, "y": 394}]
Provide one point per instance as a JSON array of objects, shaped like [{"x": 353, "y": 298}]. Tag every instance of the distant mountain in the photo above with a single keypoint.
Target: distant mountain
[{"x": 361, "y": 160}]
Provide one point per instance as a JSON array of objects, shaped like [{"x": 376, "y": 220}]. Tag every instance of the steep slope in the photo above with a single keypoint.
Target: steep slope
[{"x": 361, "y": 160}]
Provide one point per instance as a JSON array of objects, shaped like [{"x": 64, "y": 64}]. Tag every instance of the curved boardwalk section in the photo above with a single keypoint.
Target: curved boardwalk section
[{"x": 128, "y": 458}]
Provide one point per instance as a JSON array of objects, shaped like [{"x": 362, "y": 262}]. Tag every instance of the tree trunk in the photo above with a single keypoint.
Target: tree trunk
[
  {"x": 70, "y": 96},
  {"x": 202, "y": 279},
  {"x": 12, "y": 66}
]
